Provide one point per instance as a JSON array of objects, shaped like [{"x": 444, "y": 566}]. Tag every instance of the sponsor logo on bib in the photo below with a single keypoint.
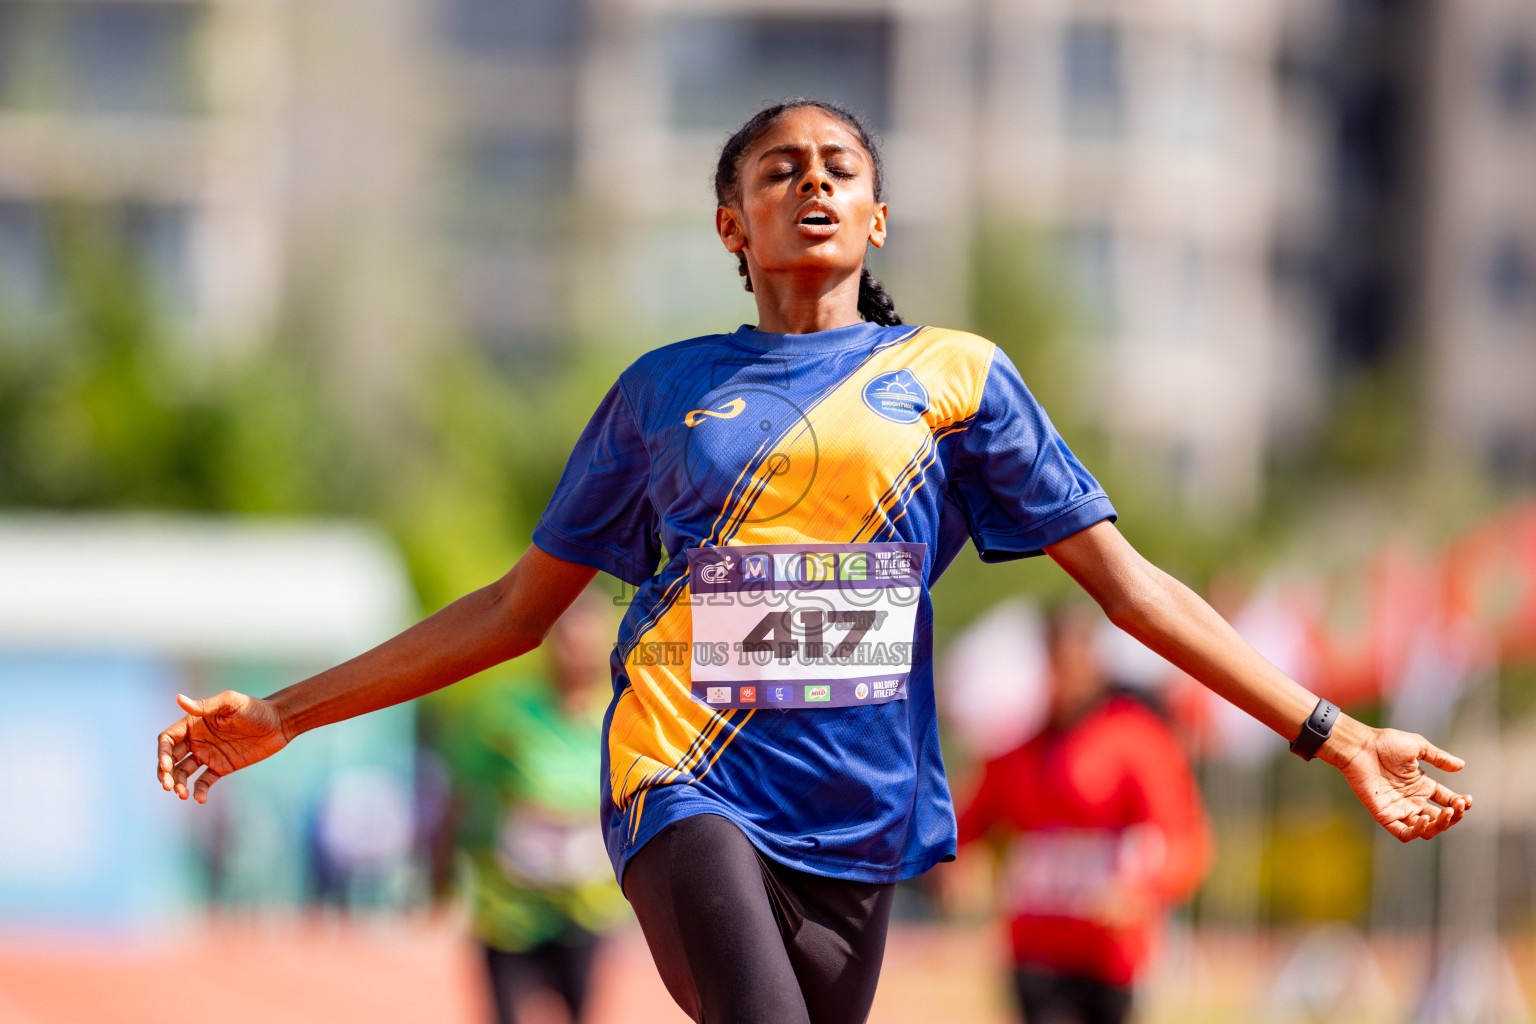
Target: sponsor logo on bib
[
  {"x": 755, "y": 568},
  {"x": 718, "y": 695},
  {"x": 861, "y": 691},
  {"x": 818, "y": 693},
  {"x": 748, "y": 695},
  {"x": 716, "y": 572}
]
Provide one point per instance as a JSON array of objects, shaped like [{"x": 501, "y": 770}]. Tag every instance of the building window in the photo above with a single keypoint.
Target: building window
[
  {"x": 25, "y": 275},
  {"x": 1514, "y": 78},
  {"x": 158, "y": 240},
  {"x": 122, "y": 57},
  {"x": 152, "y": 241},
  {"x": 513, "y": 185},
  {"x": 1093, "y": 78},
  {"x": 515, "y": 27},
  {"x": 1510, "y": 273},
  {"x": 725, "y": 69},
  {"x": 1089, "y": 258},
  {"x": 1200, "y": 96}
]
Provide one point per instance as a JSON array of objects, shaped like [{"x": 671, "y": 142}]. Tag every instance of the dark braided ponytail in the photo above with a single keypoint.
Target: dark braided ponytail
[{"x": 875, "y": 304}]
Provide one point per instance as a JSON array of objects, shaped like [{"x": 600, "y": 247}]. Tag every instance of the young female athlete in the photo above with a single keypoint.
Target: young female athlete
[{"x": 771, "y": 764}]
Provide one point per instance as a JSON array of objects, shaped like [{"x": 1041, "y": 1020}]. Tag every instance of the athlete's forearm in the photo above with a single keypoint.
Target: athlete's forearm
[
  {"x": 1178, "y": 624},
  {"x": 455, "y": 643},
  {"x": 484, "y": 628}
]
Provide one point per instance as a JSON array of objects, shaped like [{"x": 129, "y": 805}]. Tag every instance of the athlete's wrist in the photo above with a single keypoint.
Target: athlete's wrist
[
  {"x": 1345, "y": 742},
  {"x": 288, "y": 706}
]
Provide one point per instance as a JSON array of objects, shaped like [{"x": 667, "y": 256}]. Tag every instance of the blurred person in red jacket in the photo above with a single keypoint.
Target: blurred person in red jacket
[{"x": 1101, "y": 828}]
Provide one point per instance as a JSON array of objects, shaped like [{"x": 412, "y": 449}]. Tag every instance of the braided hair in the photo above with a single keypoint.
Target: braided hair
[{"x": 875, "y": 305}]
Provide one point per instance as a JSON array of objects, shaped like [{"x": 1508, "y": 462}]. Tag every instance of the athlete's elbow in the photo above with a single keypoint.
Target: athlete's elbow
[
  {"x": 507, "y": 618},
  {"x": 1135, "y": 604}
]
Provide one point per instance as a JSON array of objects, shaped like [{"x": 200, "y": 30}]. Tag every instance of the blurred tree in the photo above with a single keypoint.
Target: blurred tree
[{"x": 104, "y": 406}]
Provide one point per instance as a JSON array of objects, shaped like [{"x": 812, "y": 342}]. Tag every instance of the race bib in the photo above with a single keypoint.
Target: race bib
[
  {"x": 1060, "y": 871},
  {"x": 803, "y": 626},
  {"x": 545, "y": 849}
]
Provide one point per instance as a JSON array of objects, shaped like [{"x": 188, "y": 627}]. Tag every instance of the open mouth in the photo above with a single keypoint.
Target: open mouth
[{"x": 817, "y": 217}]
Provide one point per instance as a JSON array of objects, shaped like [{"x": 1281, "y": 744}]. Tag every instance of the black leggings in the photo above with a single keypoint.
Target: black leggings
[
  {"x": 740, "y": 939},
  {"x": 564, "y": 967},
  {"x": 1047, "y": 998}
]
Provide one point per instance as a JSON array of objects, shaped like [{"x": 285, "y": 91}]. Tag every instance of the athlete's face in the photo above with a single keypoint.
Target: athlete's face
[{"x": 807, "y": 199}]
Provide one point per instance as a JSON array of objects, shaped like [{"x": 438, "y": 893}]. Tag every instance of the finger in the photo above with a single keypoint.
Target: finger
[
  {"x": 166, "y": 756},
  {"x": 1400, "y": 830},
  {"x": 182, "y": 774},
  {"x": 1439, "y": 823},
  {"x": 205, "y": 782},
  {"x": 170, "y": 753},
  {"x": 1442, "y": 794},
  {"x": 192, "y": 707},
  {"x": 1439, "y": 758}
]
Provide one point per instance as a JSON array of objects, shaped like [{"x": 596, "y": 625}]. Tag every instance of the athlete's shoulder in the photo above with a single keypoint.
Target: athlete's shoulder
[
  {"x": 954, "y": 367},
  {"x": 660, "y": 364},
  {"x": 952, "y": 341}
]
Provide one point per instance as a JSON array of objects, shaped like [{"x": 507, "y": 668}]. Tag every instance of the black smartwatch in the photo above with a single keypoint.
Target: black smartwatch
[{"x": 1315, "y": 730}]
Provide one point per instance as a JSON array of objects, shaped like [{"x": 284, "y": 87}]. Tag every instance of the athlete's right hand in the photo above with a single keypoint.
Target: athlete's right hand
[{"x": 219, "y": 734}]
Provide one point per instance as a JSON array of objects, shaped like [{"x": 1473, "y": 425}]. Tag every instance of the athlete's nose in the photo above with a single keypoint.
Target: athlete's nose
[{"x": 815, "y": 181}]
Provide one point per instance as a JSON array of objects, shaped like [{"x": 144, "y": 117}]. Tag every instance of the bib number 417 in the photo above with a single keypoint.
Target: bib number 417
[{"x": 777, "y": 633}]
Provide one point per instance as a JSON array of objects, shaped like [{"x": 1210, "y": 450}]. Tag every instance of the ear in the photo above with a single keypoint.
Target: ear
[
  {"x": 877, "y": 227},
  {"x": 731, "y": 228}
]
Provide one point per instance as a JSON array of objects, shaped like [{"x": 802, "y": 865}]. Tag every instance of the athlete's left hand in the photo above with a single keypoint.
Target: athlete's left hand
[{"x": 1385, "y": 775}]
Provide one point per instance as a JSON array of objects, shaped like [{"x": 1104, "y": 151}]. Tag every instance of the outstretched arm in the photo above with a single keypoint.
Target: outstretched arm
[
  {"x": 224, "y": 733},
  {"x": 1381, "y": 765}
]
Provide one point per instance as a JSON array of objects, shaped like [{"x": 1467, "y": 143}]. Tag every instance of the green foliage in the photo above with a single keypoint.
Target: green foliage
[{"x": 102, "y": 406}]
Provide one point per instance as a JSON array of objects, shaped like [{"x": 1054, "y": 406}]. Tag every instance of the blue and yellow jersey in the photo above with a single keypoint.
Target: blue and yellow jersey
[{"x": 864, "y": 435}]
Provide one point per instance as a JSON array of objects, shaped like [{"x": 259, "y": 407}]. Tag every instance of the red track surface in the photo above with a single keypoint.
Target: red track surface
[
  {"x": 423, "y": 971},
  {"x": 313, "y": 971}
]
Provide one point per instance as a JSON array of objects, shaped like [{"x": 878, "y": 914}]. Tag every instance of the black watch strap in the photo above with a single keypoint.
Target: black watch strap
[{"x": 1315, "y": 730}]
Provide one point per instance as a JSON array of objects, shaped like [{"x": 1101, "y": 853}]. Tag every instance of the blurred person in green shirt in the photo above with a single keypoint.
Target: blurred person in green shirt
[{"x": 524, "y": 756}]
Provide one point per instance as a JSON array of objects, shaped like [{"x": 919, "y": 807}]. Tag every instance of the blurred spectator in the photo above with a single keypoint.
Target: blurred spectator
[
  {"x": 362, "y": 840},
  {"x": 524, "y": 756},
  {"x": 1101, "y": 828}
]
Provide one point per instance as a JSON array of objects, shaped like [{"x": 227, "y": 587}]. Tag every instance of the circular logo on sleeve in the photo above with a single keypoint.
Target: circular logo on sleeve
[{"x": 898, "y": 396}]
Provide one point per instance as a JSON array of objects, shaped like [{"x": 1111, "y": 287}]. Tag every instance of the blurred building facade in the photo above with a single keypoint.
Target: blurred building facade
[
  {"x": 1480, "y": 252},
  {"x": 1134, "y": 144},
  {"x": 510, "y": 77},
  {"x": 259, "y": 158},
  {"x": 1246, "y": 203}
]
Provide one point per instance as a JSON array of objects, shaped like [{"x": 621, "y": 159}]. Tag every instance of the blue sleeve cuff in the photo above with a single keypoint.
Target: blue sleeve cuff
[
  {"x": 615, "y": 563},
  {"x": 1092, "y": 509}
]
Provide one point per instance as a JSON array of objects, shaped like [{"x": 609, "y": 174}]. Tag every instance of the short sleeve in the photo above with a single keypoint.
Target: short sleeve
[
  {"x": 1017, "y": 482},
  {"x": 601, "y": 514}
]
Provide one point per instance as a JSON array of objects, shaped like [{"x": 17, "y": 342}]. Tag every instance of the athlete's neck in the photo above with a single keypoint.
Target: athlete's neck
[{"x": 788, "y": 305}]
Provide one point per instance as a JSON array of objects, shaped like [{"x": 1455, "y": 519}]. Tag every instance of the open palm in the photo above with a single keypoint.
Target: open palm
[
  {"x": 1386, "y": 777},
  {"x": 220, "y": 735}
]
